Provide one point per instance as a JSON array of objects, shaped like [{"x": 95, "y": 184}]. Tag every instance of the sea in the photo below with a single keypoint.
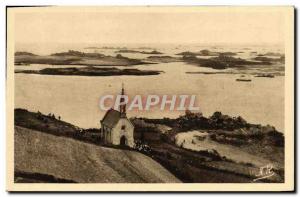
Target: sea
[{"x": 76, "y": 98}]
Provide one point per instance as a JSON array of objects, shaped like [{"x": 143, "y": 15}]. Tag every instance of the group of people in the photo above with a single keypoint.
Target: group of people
[
  {"x": 142, "y": 147},
  {"x": 49, "y": 115}
]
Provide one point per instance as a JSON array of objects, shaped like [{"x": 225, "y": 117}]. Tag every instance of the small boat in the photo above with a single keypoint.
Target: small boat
[
  {"x": 265, "y": 75},
  {"x": 245, "y": 80}
]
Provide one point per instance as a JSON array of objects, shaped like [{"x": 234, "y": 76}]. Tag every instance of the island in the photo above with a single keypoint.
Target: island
[
  {"x": 271, "y": 54},
  {"x": 72, "y": 57},
  {"x": 154, "y": 52},
  {"x": 163, "y": 59},
  {"x": 265, "y": 75},
  {"x": 222, "y": 61},
  {"x": 281, "y": 59},
  {"x": 217, "y": 60},
  {"x": 90, "y": 71},
  {"x": 105, "y": 47},
  {"x": 206, "y": 52}
]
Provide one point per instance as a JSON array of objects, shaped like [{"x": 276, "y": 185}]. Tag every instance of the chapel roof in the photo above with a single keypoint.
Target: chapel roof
[{"x": 111, "y": 118}]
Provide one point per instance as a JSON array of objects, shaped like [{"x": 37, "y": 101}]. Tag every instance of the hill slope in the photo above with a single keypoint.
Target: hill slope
[{"x": 41, "y": 157}]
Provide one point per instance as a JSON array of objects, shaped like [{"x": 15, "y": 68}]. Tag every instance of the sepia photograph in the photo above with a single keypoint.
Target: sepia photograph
[{"x": 150, "y": 98}]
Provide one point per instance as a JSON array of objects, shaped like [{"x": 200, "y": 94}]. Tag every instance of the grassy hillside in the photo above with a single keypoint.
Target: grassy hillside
[
  {"x": 53, "y": 125},
  {"x": 41, "y": 157}
]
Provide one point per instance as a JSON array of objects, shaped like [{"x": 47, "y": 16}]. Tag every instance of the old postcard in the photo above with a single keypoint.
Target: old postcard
[{"x": 150, "y": 98}]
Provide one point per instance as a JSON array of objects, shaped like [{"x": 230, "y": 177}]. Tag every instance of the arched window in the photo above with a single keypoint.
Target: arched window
[{"x": 123, "y": 127}]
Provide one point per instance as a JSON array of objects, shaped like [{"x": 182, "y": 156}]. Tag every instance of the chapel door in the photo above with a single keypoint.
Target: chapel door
[{"x": 123, "y": 141}]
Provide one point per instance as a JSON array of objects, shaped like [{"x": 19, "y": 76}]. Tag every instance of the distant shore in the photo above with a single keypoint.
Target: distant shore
[{"x": 90, "y": 71}]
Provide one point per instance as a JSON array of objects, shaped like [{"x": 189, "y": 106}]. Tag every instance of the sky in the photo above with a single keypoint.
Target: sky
[{"x": 148, "y": 26}]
